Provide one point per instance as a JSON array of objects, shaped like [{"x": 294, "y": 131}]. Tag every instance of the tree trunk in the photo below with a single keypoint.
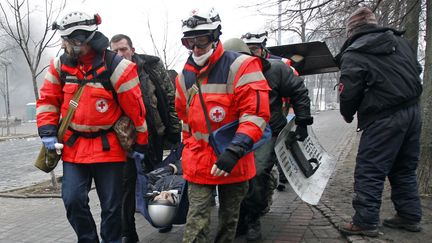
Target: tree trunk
[
  {"x": 411, "y": 23},
  {"x": 35, "y": 86},
  {"x": 424, "y": 171}
]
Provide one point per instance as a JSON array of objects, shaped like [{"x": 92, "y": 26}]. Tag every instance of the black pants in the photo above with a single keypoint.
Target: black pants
[
  {"x": 389, "y": 147},
  {"x": 129, "y": 181}
]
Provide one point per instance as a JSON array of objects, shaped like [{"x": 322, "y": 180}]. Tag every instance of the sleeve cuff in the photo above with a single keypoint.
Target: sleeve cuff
[
  {"x": 47, "y": 130},
  {"x": 306, "y": 121}
]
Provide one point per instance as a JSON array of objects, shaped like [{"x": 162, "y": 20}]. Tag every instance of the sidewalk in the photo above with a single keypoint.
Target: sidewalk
[{"x": 336, "y": 204}]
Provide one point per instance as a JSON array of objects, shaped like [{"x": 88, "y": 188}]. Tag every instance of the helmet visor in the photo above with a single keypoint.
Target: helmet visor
[{"x": 201, "y": 41}]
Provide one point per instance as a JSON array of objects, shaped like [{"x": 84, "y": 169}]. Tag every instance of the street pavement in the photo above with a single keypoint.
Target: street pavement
[{"x": 289, "y": 220}]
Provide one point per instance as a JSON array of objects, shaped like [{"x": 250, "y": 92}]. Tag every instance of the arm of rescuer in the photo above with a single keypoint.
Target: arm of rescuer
[
  {"x": 180, "y": 105},
  {"x": 251, "y": 97},
  {"x": 291, "y": 85},
  {"x": 126, "y": 84},
  {"x": 48, "y": 105}
]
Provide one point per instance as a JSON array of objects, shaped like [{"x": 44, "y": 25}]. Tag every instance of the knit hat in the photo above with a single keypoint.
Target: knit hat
[{"x": 360, "y": 17}]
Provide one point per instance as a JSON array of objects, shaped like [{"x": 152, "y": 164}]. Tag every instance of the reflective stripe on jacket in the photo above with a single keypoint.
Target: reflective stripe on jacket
[
  {"x": 235, "y": 89},
  {"x": 97, "y": 109}
]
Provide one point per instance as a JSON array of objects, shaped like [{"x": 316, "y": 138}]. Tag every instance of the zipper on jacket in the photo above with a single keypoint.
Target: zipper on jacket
[{"x": 258, "y": 101}]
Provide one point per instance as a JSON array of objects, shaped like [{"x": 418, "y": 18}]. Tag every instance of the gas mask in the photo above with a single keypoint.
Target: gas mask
[{"x": 76, "y": 42}]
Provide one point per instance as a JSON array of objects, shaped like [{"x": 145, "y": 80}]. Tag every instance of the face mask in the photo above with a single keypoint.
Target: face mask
[
  {"x": 72, "y": 55},
  {"x": 76, "y": 47},
  {"x": 203, "y": 58}
]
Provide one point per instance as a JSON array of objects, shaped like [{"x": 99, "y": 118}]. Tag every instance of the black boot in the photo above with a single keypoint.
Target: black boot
[
  {"x": 127, "y": 239},
  {"x": 254, "y": 231}
]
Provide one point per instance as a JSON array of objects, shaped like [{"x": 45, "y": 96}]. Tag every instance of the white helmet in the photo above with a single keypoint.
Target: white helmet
[
  {"x": 201, "y": 21},
  {"x": 76, "y": 20},
  {"x": 162, "y": 212},
  {"x": 250, "y": 38}
]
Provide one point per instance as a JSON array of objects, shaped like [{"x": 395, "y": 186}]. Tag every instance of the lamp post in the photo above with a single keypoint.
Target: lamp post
[
  {"x": 6, "y": 96},
  {"x": 7, "y": 100}
]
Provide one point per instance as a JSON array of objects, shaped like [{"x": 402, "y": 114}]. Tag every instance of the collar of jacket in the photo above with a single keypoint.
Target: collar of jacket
[
  {"x": 140, "y": 59},
  {"x": 71, "y": 68},
  {"x": 214, "y": 58},
  {"x": 95, "y": 58},
  {"x": 364, "y": 30},
  {"x": 265, "y": 64}
]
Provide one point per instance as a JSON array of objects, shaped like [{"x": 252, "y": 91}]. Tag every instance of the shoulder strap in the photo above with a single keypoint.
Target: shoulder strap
[
  {"x": 106, "y": 83},
  {"x": 204, "y": 108},
  {"x": 73, "y": 105}
]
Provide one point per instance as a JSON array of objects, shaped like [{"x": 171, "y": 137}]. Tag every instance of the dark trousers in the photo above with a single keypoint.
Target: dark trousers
[
  {"x": 129, "y": 181},
  {"x": 128, "y": 200},
  {"x": 261, "y": 187},
  {"x": 76, "y": 184},
  {"x": 389, "y": 147}
]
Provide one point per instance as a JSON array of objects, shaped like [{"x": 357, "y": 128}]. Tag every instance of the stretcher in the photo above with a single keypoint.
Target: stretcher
[{"x": 142, "y": 192}]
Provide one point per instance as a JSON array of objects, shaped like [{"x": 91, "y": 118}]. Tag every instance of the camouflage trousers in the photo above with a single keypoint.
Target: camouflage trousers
[
  {"x": 259, "y": 197},
  {"x": 198, "y": 219}
]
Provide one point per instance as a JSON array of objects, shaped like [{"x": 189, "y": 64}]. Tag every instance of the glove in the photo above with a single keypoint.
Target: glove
[
  {"x": 301, "y": 133},
  {"x": 137, "y": 156},
  {"x": 227, "y": 160},
  {"x": 49, "y": 142},
  {"x": 348, "y": 119}
]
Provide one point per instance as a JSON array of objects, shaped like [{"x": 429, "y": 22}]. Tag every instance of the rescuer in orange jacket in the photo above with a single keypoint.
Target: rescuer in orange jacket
[
  {"x": 92, "y": 150},
  {"x": 233, "y": 88}
]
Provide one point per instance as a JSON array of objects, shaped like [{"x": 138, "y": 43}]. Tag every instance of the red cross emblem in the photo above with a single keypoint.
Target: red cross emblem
[
  {"x": 101, "y": 105},
  {"x": 341, "y": 87},
  {"x": 217, "y": 114}
]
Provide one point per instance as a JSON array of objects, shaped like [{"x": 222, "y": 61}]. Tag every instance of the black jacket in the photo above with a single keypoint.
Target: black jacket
[
  {"x": 379, "y": 75},
  {"x": 284, "y": 83},
  {"x": 151, "y": 68}
]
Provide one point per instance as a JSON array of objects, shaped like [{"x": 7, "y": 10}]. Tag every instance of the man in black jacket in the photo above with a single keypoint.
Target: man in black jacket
[
  {"x": 162, "y": 121},
  {"x": 380, "y": 82},
  {"x": 283, "y": 83}
]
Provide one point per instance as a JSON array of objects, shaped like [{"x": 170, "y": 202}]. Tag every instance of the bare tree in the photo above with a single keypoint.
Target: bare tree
[
  {"x": 411, "y": 22},
  {"x": 424, "y": 172},
  {"x": 18, "y": 25},
  {"x": 168, "y": 51}
]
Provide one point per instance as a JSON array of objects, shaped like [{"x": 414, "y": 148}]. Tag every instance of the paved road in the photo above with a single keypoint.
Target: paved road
[
  {"x": 290, "y": 220},
  {"x": 17, "y": 158}
]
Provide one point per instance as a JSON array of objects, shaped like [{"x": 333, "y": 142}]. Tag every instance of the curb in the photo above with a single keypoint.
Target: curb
[
  {"x": 327, "y": 209},
  {"x": 27, "y": 195},
  {"x": 15, "y": 193},
  {"x": 337, "y": 217},
  {"x": 18, "y": 137}
]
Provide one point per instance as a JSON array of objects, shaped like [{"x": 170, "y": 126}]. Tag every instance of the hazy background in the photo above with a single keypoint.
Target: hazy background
[{"x": 138, "y": 19}]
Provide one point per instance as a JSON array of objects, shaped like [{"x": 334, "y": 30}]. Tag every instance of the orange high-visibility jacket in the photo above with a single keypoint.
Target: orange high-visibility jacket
[
  {"x": 97, "y": 109},
  {"x": 234, "y": 89}
]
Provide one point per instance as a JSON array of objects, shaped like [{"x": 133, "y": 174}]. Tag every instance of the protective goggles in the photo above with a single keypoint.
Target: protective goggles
[
  {"x": 78, "y": 40},
  {"x": 200, "y": 42},
  {"x": 250, "y": 36}
]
